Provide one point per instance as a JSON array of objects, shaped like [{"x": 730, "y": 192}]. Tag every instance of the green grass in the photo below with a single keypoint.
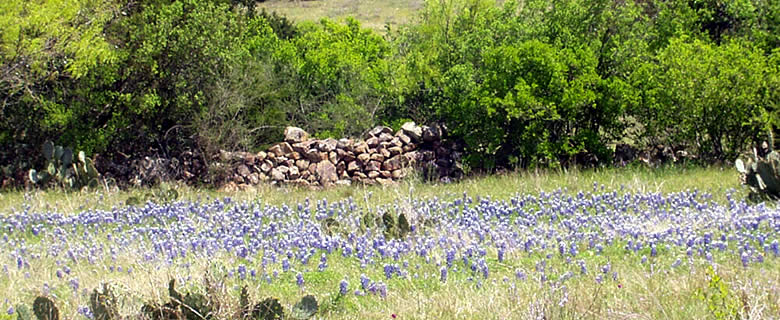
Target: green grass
[
  {"x": 373, "y": 14},
  {"x": 653, "y": 290},
  {"x": 715, "y": 180}
]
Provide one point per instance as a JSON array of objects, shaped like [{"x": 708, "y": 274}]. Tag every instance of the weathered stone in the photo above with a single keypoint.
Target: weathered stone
[
  {"x": 300, "y": 183},
  {"x": 313, "y": 155},
  {"x": 237, "y": 178},
  {"x": 376, "y": 131},
  {"x": 295, "y": 135},
  {"x": 260, "y": 156},
  {"x": 428, "y": 155},
  {"x": 293, "y": 173},
  {"x": 393, "y": 163},
  {"x": 312, "y": 168},
  {"x": 303, "y": 147},
  {"x": 373, "y": 174},
  {"x": 302, "y": 164},
  {"x": 359, "y": 174},
  {"x": 345, "y": 144},
  {"x": 364, "y": 157},
  {"x": 373, "y": 142},
  {"x": 353, "y": 166},
  {"x": 281, "y": 149},
  {"x": 326, "y": 172},
  {"x": 228, "y": 187},
  {"x": 384, "y": 182},
  {"x": 249, "y": 158},
  {"x": 396, "y": 142},
  {"x": 413, "y": 157},
  {"x": 271, "y": 156},
  {"x": 341, "y": 167},
  {"x": 413, "y": 131},
  {"x": 395, "y": 151},
  {"x": 276, "y": 175},
  {"x": 386, "y": 174},
  {"x": 344, "y": 182},
  {"x": 403, "y": 137},
  {"x": 254, "y": 178},
  {"x": 266, "y": 166},
  {"x": 283, "y": 169},
  {"x": 398, "y": 174},
  {"x": 344, "y": 175},
  {"x": 243, "y": 170},
  {"x": 373, "y": 166},
  {"x": 360, "y": 147},
  {"x": 345, "y": 155},
  {"x": 295, "y": 155},
  {"x": 377, "y": 157},
  {"x": 263, "y": 176},
  {"x": 333, "y": 157},
  {"x": 385, "y": 153},
  {"x": 385, "y": 137},
  {"x": 432, "y": 133},
  {"x": 327, "y": 145},
  {"x": 409, "y": 147}
]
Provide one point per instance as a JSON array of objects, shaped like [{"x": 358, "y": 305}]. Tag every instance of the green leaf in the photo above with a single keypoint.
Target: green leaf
[{"x": 306, "y": 308}]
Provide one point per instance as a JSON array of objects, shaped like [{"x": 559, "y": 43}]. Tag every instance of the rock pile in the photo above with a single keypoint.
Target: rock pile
[
  {"x": 187, "y": 167},
  {"x": 382, "y": 156}
]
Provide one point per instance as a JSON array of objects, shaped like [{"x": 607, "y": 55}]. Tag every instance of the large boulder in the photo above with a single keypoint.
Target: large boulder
[
  {"x": 281, "y": 149},
  {"x": 377, "y": 131},
  {"x": 327, "y": 145},
  {"x": 413, "y": 131},
  {"x": 432, "y": 133},
  {"x": 295, "y": 135},
  {"x": 392, "y": 164},
  {"x": 326, "y": 171}
]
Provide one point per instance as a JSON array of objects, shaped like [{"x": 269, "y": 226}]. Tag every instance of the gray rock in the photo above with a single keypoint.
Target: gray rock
[
  {"x": 432, "y": 133},
  {"x": 295, "y": 135},
  {"x": 243, "y": 170},
  {"x": 281, "y": 149},
  {"x": 412, "y": 131},
  {"x": 276, "y": 175},
  {"x": 326, "y": 171},
  {"x": 392, "y": 164},
  {"x": 376, "y": 131},
  {"x": 327, "y": 145}
]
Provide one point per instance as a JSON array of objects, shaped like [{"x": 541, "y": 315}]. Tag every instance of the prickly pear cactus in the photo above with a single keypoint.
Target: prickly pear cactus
[
  {"x": 761, "y": 174},
  {"x": 103, "y": 304},
  {"x": 306, "y": 308},
  {"x": 196, "y": 307},
  {"x": 22, "y": 312},
  {"x": 268, "y": 309},
  {"x": 45, "y": 309}
]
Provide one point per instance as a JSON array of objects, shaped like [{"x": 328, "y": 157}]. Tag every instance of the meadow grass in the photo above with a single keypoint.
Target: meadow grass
[
  {"x": 655, "y": 289},
  {"x": 715, "y": 180},
  {"x": 372, "y": 14}
]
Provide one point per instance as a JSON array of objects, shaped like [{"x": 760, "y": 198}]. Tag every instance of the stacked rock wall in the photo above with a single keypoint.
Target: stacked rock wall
[{"x": 383, "y": 156}]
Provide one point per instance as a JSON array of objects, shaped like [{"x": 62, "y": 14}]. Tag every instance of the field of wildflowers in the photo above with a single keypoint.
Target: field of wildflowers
[{"x": 598, "y": 251}]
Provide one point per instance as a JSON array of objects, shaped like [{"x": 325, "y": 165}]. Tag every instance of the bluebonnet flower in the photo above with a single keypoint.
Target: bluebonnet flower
[
  {"x": 364, "y": 282},
  {"x": 299, "y": 279},
  {"x": 443, "y": 276},
  {"x": 343, "y": 285}
]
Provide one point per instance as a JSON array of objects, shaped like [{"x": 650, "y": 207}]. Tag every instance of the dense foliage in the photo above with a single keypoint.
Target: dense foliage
[{"x": 521, "y": 84}]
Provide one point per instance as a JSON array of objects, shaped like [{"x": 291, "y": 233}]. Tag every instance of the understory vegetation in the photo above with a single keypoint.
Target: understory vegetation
[{"x": 521, "y": 83}]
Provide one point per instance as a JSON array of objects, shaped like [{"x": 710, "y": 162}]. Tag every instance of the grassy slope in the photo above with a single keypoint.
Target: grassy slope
[
  {"x": 640, "y": 179},
  {"x": 374, "y": 14},
  {"x": 640, "y": 293}
]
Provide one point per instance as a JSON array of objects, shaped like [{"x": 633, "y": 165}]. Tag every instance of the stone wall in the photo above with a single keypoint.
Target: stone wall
[{"x": 383, "y": 156}]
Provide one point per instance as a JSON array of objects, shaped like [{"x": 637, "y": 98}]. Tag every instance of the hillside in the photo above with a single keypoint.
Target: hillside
[{"x": 372, "y": 14}]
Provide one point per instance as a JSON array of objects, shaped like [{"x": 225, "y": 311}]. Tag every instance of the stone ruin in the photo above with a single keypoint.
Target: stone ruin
[{"x": 382, "y": 157}]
